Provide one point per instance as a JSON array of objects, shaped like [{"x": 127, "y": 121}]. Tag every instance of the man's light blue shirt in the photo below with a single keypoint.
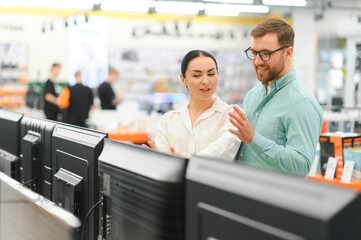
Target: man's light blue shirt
[{"x": 287, "y": 122}]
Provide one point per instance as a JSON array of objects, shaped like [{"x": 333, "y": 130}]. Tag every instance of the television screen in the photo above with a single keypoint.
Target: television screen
[
  {"x": 10, "y": 131},
  {"x": 75, "y": 153},
  {"x": 230, "y": 201},
  {"x": 142, "y": 193},
  {"x": 36, "y": 169},
  {"x": 10, "y": 164},
  {"x": 10, "y": 143},
  {"x": 27, "y": 215}
]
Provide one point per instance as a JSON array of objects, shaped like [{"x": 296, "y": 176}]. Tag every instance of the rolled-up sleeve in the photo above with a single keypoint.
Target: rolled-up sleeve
[{"x": 302, "y": 133}]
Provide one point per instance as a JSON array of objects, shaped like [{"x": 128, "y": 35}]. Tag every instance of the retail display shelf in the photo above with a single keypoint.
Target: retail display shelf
[{"x": 354, "y": 184}]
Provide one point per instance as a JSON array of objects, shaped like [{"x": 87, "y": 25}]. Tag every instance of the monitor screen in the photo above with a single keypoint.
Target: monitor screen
[
  {"x": 142, "y": 193},
  {"x": 10, "y": 164},
  {"x": 75, "y": 153},
  {"x": 36, "y": 169},
  {"x": 10, "y": 143},
  {"x": 231, "y": 201},
  {"x": 27, "y": 215},
  {"x": 10, "y": 131}
]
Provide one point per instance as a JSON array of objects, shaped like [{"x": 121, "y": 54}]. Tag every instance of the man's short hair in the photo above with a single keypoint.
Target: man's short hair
[{"x": 284, "y": 31}]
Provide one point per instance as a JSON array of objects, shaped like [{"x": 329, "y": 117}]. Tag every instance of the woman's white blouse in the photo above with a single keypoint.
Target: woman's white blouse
[{"x": 209, "y": 136}]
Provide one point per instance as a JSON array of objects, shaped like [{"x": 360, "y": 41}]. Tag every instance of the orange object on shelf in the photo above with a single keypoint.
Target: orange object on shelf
[
  {"x": 355, "y": 184},
  {"x": 128, "y": 136},
  {"x": 324, "y": 126}
]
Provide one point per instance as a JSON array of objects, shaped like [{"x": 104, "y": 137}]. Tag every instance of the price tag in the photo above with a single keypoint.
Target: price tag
[
  {"x": 313, "y": 170},
  {"x": 347, "y": 171},
  {"x": 331, "y": 168}
]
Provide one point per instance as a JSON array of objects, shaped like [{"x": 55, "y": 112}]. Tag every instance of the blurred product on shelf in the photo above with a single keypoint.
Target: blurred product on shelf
[
  {"x": 333, "y": 145},
  {"x": 12, "y": 96},
  {"x": 354, "y": 155}
]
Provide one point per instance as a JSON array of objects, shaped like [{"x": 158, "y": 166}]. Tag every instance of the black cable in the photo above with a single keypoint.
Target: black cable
[{"x": 86, "y": 218}]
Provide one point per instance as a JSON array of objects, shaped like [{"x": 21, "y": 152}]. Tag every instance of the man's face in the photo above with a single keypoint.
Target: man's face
[
  {"x": 55, "y": 71},
  {"x": 113, "y": 77},
  {"x": 276, "y": 66}
]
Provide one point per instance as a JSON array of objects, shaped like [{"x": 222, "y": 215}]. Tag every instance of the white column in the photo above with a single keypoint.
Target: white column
[
  {"x": 349, "y": 90},
  {"x": 304, "y": 58}
]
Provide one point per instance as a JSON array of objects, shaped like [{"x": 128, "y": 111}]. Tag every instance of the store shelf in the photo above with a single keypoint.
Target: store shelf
[
  {"x": 137, "y": 137},
  {"x": 355, "y": 184}
]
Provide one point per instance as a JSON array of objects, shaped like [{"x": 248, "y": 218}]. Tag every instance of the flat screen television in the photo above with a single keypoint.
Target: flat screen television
[
  {"x": 142, "y": 193},
  {"x": 10, "y": 143},
  {"x": 27, "y": 215},
  {"x": 36, "y": 146},
  {"x": 75, "y": 153},
  {"x": 230, "y": 201}
]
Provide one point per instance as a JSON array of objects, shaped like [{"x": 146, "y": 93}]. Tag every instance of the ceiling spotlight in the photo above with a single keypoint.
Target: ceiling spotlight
[
  {"x": 97, "y": 7},
  {"x": 151, "y": 10},
  {"x": 318, "y": 16}
]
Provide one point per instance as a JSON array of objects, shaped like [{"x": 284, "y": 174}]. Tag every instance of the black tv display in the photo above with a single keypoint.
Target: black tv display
[
  {"x": 230, "y": 201},
  {"x": 10, "y": 143},
  {"x": 75, "y": 153},
  {"x": 10, "y": 131},
  {"x": 28, "y": 215},
  {"x": 142, "y": 193},
  {"x": 36, "y": 146}
]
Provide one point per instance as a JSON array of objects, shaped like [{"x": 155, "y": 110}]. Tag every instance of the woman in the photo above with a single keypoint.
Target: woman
[{"x": 202, "y": 126}]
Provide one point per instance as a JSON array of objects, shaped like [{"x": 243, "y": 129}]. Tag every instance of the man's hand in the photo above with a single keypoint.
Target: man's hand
[{"x": 244, "y": 129}]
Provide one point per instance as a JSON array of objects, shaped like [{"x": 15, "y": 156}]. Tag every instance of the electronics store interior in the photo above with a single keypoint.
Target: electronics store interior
[{"x": 94, "y": 96}]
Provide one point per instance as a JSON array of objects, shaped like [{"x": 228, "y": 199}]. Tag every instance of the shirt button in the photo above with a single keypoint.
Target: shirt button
[{"x": 241, "y": 154}]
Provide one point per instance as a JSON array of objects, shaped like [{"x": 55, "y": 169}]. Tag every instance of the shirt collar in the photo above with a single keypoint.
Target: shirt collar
[
  {"x": 284, "y": 80},
  {"x": 277, "y": 84},
  {"x": 218, "y": 106}
]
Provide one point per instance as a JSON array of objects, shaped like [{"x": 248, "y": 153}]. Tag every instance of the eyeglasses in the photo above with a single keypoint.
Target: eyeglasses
[{"x": 264, "y": 54}]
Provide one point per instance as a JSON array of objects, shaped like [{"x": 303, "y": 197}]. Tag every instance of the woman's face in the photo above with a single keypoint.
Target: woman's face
[{"x": 201, "y": 78}]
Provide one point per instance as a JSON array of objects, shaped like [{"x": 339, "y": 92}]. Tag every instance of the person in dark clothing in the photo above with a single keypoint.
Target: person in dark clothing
[
  {"x": 108, "y": 99},
  {"x": 80, "y": 103},
  {"x": 51, "y": 93}
]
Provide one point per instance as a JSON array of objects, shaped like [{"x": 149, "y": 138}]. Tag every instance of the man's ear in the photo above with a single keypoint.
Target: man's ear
[{"x": 289, "y": 53}]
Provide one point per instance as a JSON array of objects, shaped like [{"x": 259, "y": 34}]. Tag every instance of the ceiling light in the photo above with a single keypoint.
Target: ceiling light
[
  {"x": 130, "y": 6},
  {"x": 295, "y": 3},
  {"x": 57, "y": 4},
  {"x": 191, "y": 8},
  {"x": 231, "y": 1},
  {"x": 233, "y": 10}
]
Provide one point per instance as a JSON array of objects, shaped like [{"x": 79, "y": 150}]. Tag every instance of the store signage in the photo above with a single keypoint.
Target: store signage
[
  {"x": 331, "y": 168},
  {"x": 347, "y": 171}
]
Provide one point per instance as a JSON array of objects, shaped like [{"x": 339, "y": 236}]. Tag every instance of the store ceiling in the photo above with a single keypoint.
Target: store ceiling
[
  {"x": 117, "y": 5},
  {"x": 336, "y": 4}
]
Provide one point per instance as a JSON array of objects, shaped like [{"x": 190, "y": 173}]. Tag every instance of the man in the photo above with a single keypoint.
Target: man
[
  {"x": 108, "y": 99},
  {"x": 282, "y": 121},
  {"x": 81, "y": 101},
  {"x": 51, "y": 93}
]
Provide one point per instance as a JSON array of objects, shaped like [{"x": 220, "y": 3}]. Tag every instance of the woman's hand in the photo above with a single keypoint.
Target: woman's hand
[{"x": 151, "y": 145}]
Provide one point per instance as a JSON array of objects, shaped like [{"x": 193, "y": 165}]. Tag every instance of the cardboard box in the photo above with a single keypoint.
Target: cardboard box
[{"x": 333, "y": 145}]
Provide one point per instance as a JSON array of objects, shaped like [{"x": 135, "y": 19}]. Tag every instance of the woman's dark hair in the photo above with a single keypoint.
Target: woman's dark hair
[{"x": 192, "y": 55}]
